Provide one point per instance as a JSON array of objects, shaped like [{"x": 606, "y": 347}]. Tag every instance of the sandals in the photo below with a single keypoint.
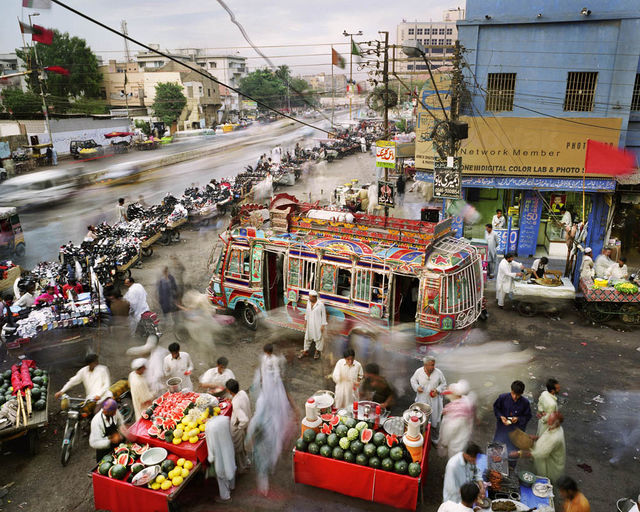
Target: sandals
[
  {"x": 302, "y": 354},
  {"x": 316, "y": 355}
]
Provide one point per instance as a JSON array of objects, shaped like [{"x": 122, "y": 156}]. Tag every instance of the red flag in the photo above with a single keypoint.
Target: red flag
[
  {"x": 337, "y": 59},
  {"x": 57, "y": 69},
  {"x": 602, "y": 158},
  {"x": 42, "y": 35}
]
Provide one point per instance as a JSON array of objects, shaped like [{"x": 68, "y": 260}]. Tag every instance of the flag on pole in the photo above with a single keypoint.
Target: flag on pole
[
  {"x": 57, "y": 69},
  {"x": 36, "y": 4},
  {"x": 355, "y": 50},
  {"x": 38, "y": 34},
  {"x": 602, "y": 158},
  {"x": 337, "y": 59}
]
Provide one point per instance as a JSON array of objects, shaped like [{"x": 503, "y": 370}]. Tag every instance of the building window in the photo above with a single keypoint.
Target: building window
[
  {"x": 419, "y": 31},
  {"x": 441, "y": 31},
  {"x": 449, "y": 31},
  {"x": 410, "y": 31},
  {"x": 410, "y": 67},
  {"x": 440, "y": 42},
  {"x": 426, "y": 31},
  {"x": 419, "y": 41},
  {"x": 434, "y": 41},
  {"x": 581, "y": 89},
  {"x": 635, "y": 100},
  {"x": 500, "y": 91},
  {"x": 449, "y": 42},
  {"x": 209, "y": 93},
  {"x": 212, "y": 65}
]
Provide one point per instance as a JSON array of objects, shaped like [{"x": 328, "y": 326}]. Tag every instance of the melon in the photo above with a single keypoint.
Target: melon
[
  {"x": 326, "y": 428},
  {"x": 123, "y": 459},
  {"x": 335, "y": 420},
  {"x": 396, "y": 453},
  {"x": 349, "y": 457},
  {"x": 333, "y": 440},
  {"x": 353, "y": 434},
  {"x": 344, "y": 443},
  {"x": 301, "y": 446},
  {"x": 361, "y": 425},
  {"x": 387, "y": 464},
  {"x": 325, "y": 451},
  {"x": 104, "y": 468},
  {"x": 350, "y": 423},
  {"x": 356, "y": 447},
  {"x": 341, "y": 430},
  {"x": 382, "y": 452},
  {"x": 369, "y": 450},
  {"x": 321, "y": 439},
  {"x": 379, "y": 439},
  {"x": 414, "y": 469},
  {"x": 309, "y": 436},
  {"x": 326, "y": 417},
  {"x": 337, "y": 453},
  {"x": 401, "y": 467},
  {"x": 362, "y": 460},
  {"x": 366, "y": 435},
  {"x": 118, "y": 471},
  {"x": 136, "y": 468},
  {"x": 374, "y": 462},
  {"x": 313, "y": 448}
]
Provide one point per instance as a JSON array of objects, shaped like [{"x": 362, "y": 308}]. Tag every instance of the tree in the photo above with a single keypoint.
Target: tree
[
  {"x": 71, "y": 53},
  {"x": 273, "y": 87},
  {"x": 19, "y": 103},
  {"x": 378, "y": 97},
  {"x": 169, "y": 102},
  {"x": 144, "y": 126}
]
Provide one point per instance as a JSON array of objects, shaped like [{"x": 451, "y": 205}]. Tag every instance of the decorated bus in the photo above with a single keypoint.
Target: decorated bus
[{"x": 371, "y": 272}]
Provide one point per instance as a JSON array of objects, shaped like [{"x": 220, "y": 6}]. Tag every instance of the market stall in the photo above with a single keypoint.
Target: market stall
[
  {"x": 604, "y": 300},
  {"x": 549, "y": 294}
]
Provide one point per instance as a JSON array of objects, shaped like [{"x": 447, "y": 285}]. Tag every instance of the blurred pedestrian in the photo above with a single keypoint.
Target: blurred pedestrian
[
  {"x": 512, "y": 411},
  {"x": 547, "y": 403},
  {"x": 574, "y": 500},
  {"x": 240, "y": 418},
  {"x": 177, "y": 270},
  {"x": 315, "y": 323},
  {"x": 347, "y": 376},
  {"x": 136, "y": 296},
  {"x": 429, "y": 382},
  {"x": 221, "y": 455},
  {"x": 458, "y": 417},
  {"x": 491, "y": 237},
  {"x": 94, "y": 377},
  {"x": 504, "y": 281},
  {"x": 400, "y": 187},
  {"x": 167, "y": 291},
  {"x": 374, "y": 387},
  {"x": 117, "y": 305},
  {"x": 461, "y": 468},
  {"x": 178, "y": 364},
  {"x": 140, "y": 393}
]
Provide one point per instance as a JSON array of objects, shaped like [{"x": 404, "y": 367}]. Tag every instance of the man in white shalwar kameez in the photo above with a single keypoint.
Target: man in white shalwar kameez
[
  {"x": 491, "y": 237},
  {"x": 217, "y": 433},
  {"x": 603, "y": 262},
  {"x": 547, "y": 403},
  {"x": 618, "y": 271},
  {"x": 461, "y": 468},
  {"x": 457, "y": 420},
  {"x": 315, "y": 322},
  {"x": 587, "y": 270},
  {"x": 240, "y": 418},
  {"x": 140, "y": 393},
  {"x": 504, "y": 281},
  {"x": 429, "y": 382},
  {"x": 178, "y": 365},
  {"x": 94, "y": 377},
  {"x": 136, "y": 296},
  {"x": 347, "y": 375}
]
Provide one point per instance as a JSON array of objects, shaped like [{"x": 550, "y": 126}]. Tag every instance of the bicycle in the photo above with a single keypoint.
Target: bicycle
[{"x": 77, "y": 410}]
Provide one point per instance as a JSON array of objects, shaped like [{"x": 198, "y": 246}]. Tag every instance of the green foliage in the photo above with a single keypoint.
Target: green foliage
[
  {"x": 169, "y": 102},
  {"x": 89, "y": 106},
  {"x": 144, "y": 126},
  {"x": 71, "y": 53},
  {"x": 278, "y": 88},
  {"x": 21, "y": 103},
  {"x": 378, "y": 97}
]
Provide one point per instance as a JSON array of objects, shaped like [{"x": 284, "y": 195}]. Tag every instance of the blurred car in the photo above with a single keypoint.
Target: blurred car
[
  {"x": 120, "y": 174},
  {"x": 85, "y": 149},
  {"x": 38, "y": 188}
]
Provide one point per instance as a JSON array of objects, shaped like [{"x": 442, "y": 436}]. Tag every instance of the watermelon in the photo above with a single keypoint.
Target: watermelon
[
  {"x": 335, "y": 420},
  {"x": 369, "y": 450},
  {"x": 382, "y": 452},
  {"x": 132, "y": 458},
  {"x": 37, "y": 372},
  {"x": 333, "y": 440},
  {"x": 313, "y": 448},
  {"x": 341, "y": 430},
  {"x": 396, "y": 453},
  {"x": 153, "y": 431},
  {"x": 353, "y": 434},
  {"x": 379, "y": 439},
  {"x": 168, "y": 436},
  {"x": 36, "y": 394},
  {"x": 107, "y": 458},
  {"x": 167, "y": 465},
  {"x": 309, "y": 435},
  {"x": 136, "y": 468},
  {"x": 337, "y": 453},
  {"x": 361, "y": 425},
  {"x": 161, "y": 434},
  {"x": 123, "y": 459},
  {"x": 344, "y": 443},
  {"x": 301, "y": 446},
  {"x": 387, "y": 464},
  {"x": 349, "y": 457},
  {"x": 325, "y": 451},
  {"x": 374, "y": 462},
  {"x": 362, "y": 460},
  {"x": 37, "y": 381},
  {"x": 356, "y": 447},
  {"x": 326, "y": 429},
  {"x": 118, "y": 471},
  {"x": 401, "y": 467},
  {"x": 350, "y": 423},
  {"x": 366, "y": 435},
  {"x": 321, "y": 439},
  {"x": 326, "y": 417},
  {"x": 392, "y": 440},
  {"x": 104, "y": 468},
  {"x": 39, "y": 405},
  {"x": 414, "y": 469}
]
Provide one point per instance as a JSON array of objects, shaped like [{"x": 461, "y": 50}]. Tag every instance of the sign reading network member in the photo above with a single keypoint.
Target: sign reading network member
[
  {"x": 447, "y": 180},
  {"x": 386, "y": 154}
]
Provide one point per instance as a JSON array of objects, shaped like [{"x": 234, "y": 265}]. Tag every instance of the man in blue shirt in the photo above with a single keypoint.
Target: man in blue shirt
[{"x": 512, "y": 411}]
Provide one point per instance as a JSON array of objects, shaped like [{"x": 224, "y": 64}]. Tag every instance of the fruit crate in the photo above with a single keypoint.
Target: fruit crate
[{"x": 364, "y": 482}]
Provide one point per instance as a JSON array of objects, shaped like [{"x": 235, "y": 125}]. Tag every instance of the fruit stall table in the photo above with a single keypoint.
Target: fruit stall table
[
  {"x": 377, "y": 485},
  {"x": 122, "y": 496},
  {"x": 138, "y": 432}
]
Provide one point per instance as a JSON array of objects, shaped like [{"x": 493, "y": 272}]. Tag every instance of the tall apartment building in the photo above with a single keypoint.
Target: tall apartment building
[{"x": 437, "y": 37}]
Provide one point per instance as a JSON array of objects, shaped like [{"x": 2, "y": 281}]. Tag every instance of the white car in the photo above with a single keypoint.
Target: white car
[{"x": 38, "y": 188}]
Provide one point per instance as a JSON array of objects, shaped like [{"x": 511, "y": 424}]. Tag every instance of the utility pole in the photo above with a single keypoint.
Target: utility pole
[
  {"x": 456, "y": 81},
  {"x": 385, "y": 78},
  {"x": 44, "y": 100}
]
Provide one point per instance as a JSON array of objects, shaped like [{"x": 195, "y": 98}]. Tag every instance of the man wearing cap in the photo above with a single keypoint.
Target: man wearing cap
[
  {"x": 140, "y": 393},
  {"x": 315, "y": 323},
  {"x": 586, "y": 269},
  {"x": 105, "y": 429},
  {"x": 429, "y": 382}
]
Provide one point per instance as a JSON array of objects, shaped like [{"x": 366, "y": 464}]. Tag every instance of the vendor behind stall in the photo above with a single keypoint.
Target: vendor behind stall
[
  {"x": 375, "y": 387},
  {"x": 215, "y": 379},
  {"x": 586, "y": 268},
  {"x": 106, "y": 429},
  {"x": 539, "y": 267},
  {"x": 618, "y": 271},
  {"x": 603, "y": 262}
]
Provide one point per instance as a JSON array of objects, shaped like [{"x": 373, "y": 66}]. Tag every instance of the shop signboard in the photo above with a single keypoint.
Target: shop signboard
[
  {"x": 447, "y": 181},
  {"x": 425, "y": 120},
  {"x": 519, "y": 146},
  {"x": 386, "y": 194},
  {"x": 249, "y": 105},
  {"x": 530, "y": 213},
  {"x": 386, "y": 154},
  {"x": 503, "y": 235}
]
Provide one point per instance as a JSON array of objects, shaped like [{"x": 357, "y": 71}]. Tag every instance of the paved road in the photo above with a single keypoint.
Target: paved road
[{"x": 47, "y": 229}]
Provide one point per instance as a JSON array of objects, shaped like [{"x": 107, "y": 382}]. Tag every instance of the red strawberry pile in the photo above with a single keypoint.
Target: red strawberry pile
[{"x": 167, "y": 411}]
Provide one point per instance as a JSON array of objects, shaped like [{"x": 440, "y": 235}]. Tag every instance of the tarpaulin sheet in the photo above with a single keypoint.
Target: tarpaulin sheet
[{"x": 400, "y": 491}]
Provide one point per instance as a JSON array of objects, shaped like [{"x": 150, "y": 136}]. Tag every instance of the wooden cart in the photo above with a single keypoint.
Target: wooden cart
[
  {"x": 35, "y": 422},
  {"x": 145, "y": 245},
  {"x": 124, "y": 271},
  {"x": 170, "y": 233},
  {"x": 603, "y": 304}
]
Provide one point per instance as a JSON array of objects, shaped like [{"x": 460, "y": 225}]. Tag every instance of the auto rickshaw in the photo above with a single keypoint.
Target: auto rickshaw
[{"x": 11, "y": 235}]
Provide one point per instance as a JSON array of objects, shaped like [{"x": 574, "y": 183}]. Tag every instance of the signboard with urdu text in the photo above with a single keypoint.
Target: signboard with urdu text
[
  {"x": 386, "y": 154},
  {"x": 447, "y": 181}
]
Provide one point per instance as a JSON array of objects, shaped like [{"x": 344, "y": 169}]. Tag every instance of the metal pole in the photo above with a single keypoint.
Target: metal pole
[
  {"x": 44, "y": 101},
  {"x": 350, "y": 73},
  {"x": 385, "y": 75},
  {"x": 333, "y": 89}
]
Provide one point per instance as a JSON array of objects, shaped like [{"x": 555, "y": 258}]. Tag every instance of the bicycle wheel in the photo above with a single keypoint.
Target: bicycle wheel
[{"x": 67, "y": 443}]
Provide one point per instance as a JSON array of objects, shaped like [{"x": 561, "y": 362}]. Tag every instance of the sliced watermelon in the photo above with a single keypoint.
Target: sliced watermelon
[
  {"x": 392, "y": 440},
  {"x": 161, "y": 434},
  {"x": 335, "y": 420},
  {"x": 132, "y": 458},
  {"x": 326, "y": 429},
  {"x": 366, "y": 435},
  {"x": 144, "y": 448},
  {"x": 327, "y": 417},
  {"x": 158, "y": 421},
  {"x": 153, "y": 431},
  {"x": 123, "y": 459}
]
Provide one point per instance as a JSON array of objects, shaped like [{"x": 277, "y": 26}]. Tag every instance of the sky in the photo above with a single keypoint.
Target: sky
[{"x": 204, "y": 24}]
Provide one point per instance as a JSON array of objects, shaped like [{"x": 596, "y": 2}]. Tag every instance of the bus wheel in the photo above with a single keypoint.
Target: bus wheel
[
  {"x": 20, "y": 250},
  {"x": 249, "y": 317}
]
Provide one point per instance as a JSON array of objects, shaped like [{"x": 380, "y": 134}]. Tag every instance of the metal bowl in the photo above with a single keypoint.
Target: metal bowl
[
  {"x": 146, "y": 475},
  {"x": 394, "y": 425},
  {"x": 421, "y": 411},
  {"x": 324, "y": 400},
  {"x": 153, "y": 456}
]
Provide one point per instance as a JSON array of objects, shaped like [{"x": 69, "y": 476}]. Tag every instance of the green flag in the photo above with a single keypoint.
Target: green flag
[{"x": 355, "y": 49}]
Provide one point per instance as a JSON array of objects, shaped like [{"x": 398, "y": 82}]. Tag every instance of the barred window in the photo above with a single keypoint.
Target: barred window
[
  {"x": 410, "y": 31},
  {"x": 500, "y": 91},
  {"x": 426, "y": 31},
  {"x": 301, "y": 273},
  {"x": 581, "y": 90},
  {"x": 635, "y": 99},
  {"x": 441, "y": 31},
  {"x": 419, "y": 31},
  {"x": 449, "y": 31}
]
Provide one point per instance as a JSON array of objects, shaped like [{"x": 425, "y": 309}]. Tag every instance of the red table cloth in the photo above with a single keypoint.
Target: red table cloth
[
  {"x": 400, "y": 491},
  {"x": 197, "y": 451}
]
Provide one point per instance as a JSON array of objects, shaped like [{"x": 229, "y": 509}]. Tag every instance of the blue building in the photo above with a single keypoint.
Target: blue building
[{"x": 542, "y": 77}]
